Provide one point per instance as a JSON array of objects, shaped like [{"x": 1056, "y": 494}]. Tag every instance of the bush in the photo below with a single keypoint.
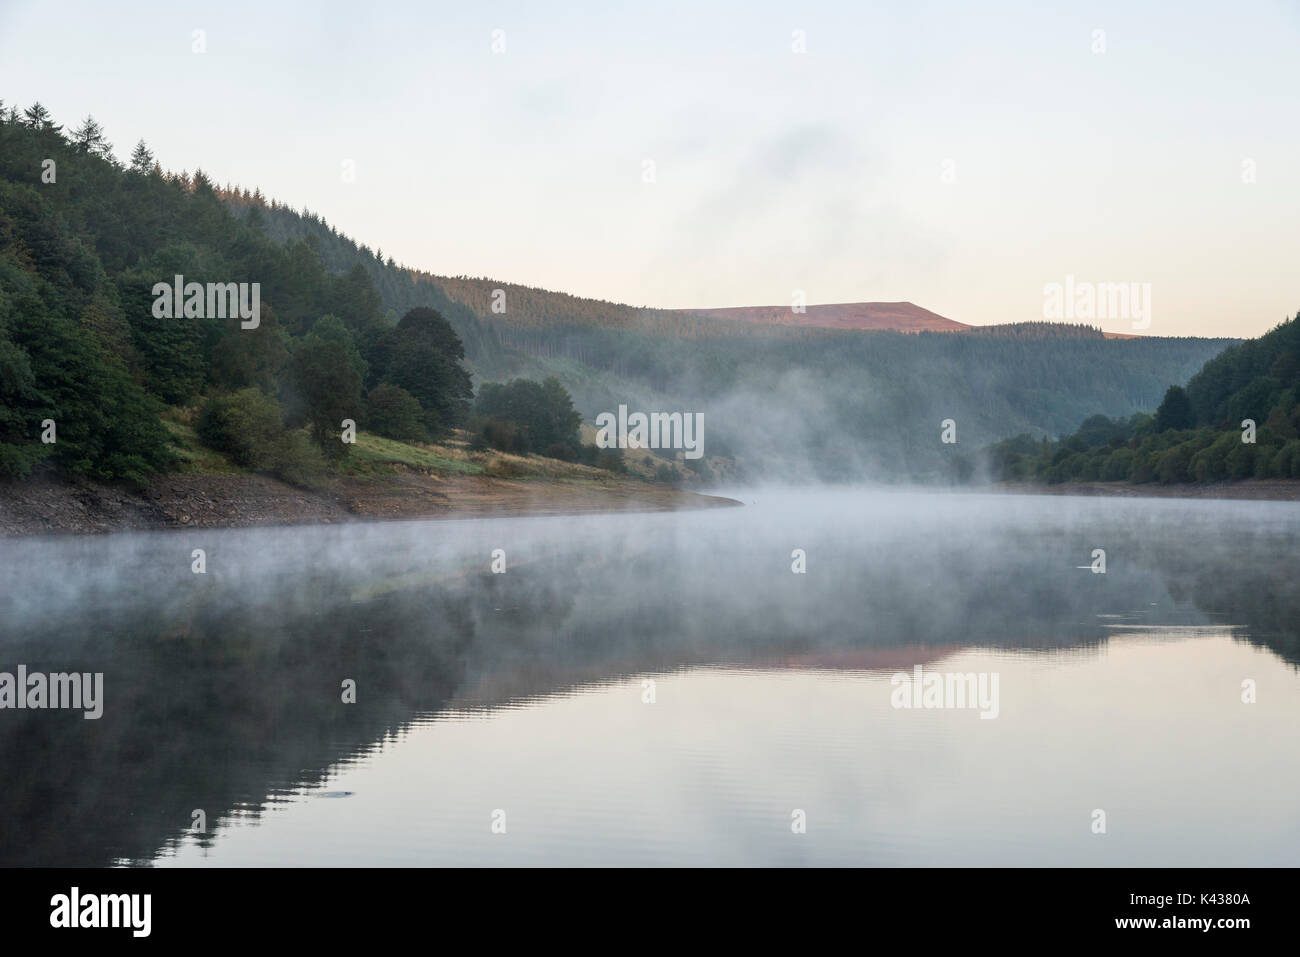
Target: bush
[
  {"x": 1211, "y": 464},
  {"x": 502, "y": 435},
  {"x": 541, "y": 414},
  {"x": 611, "y": 460},
  {"x": 393, "y": 412},
  {"x": 245, "y": 425},
  {"x": 701, "y": 468},
  {"x": 1286, "y": 463},
  {"x": 1143, "y": 469},
  {"x": 504, "y": 468},
  {"x": 668, "y": 475},
  {"x": 1118, "y": 466},
  {"x": 297, "y": 460},
  {"x": 1174, "y": 465},
  {"x": 1264, "y": 457},
  {"x": 1241, "y": 460}
]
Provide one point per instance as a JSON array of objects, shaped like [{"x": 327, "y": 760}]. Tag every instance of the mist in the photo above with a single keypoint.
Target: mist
[{"x": 250, "y": 655}]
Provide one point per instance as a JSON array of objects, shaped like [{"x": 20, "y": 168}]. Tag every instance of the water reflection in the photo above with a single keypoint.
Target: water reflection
[{"x": 223, "y": 690}]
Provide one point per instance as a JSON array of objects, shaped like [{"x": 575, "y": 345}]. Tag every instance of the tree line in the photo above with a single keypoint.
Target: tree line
[
  {"x": 87, "y": 368},
  {"x": 1238, "y": 417}
]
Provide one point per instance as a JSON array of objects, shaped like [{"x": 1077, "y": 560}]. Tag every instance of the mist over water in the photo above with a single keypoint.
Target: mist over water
[{"x": 525, "y": 691}]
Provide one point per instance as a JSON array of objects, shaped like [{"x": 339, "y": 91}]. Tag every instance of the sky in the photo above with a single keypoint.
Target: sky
[{"x": 959, "y": 156}]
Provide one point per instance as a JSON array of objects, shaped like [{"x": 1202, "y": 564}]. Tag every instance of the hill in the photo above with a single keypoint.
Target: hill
[
  {"x": 346, "y": 333},
  {"x": 1238, "y": 418},
  {"x": 145, "y": 328},
  {"x": 783, "y": 400},
  {"x": 898, "y": 316}
]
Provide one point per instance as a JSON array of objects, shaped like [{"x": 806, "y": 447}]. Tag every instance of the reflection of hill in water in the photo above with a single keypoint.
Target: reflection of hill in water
[{"x": 225, "y": 694}]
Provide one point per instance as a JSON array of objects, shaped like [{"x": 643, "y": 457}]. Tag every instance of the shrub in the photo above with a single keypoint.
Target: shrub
[
  {"x": 668, "y": 474},
  {"x": 504, "y": 468},
  {"x": 1118, "y": 466},
  {"x": 541, "y": 414},
  {"x": 502, "y": 435},
  {"x": 297, "y": 460},
  {"x": 1174, "y": 465},
  {"x": 245, "y": 425},
  {"x": 393, "y": 412},
  {"x": 611, "y": 460},
  {"x": 1241, "y": 461},
  {"x": 1143, "y": 469},
  {"x": 1286, "y": 463}
]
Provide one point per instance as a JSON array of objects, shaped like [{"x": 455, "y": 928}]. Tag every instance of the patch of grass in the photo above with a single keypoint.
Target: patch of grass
[
  {"x": 372, "y": 455},
  {"x": 507, "y": 466},
  {"x": 194, "y": 455}
]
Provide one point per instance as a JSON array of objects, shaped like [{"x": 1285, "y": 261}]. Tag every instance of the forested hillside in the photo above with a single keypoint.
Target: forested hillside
[
  {"x": 788, "y": 400},
  {"x": 1239, "y": 417},
  {"x": 90, "y": 356},
  {"x": 347, "y": 333}
]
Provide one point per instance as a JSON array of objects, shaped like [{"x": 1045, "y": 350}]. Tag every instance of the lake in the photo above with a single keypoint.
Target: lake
[{"x": 660, "y": 689}]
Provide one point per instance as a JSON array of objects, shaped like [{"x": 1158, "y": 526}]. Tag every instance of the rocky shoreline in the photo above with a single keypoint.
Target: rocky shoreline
[{"x": 53, "y": 506}]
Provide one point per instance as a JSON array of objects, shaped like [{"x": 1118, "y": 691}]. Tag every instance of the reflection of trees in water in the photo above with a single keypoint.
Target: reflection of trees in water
[
  {"x": 1253, "y": 580},
  {"x": 222, "y": 698},
  {"x": 220, "y": 710}
]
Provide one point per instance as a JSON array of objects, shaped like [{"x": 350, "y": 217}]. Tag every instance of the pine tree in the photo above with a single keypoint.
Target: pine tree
[
  {"x": 37, "y": 117},
  {"x": 141, "y": 158},
  {"x": 89, "y": 137},
  {"x": 1175, "y": 411}
]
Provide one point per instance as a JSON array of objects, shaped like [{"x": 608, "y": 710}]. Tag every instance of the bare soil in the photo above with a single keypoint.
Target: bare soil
[{"x": 50, "y": 505}]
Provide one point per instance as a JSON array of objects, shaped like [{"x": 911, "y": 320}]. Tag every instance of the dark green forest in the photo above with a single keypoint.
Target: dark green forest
[
  {"x": 86, "y": 361},
  {"x": 1238, "y": 417},
  {"x": 347, "y": 333}
]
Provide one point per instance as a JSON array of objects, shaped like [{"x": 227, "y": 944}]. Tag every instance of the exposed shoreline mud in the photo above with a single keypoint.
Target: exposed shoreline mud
[
  {"x": 55, "y": 506},
  {"x": 1283, "y": 490}
]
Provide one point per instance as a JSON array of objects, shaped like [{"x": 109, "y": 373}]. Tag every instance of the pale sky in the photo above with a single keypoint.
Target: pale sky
[{"x": 774, "y": 171}]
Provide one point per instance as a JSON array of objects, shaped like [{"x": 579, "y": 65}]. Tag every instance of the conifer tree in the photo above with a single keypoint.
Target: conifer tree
[
  {"x": 89, "y": 138},
  {"x": 141, "y": 158}
]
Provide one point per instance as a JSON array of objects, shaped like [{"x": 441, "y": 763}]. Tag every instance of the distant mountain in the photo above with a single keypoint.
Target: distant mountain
[
  {"x": 787, "y": 399},
  {"x": 898, "y": 316},
  {"x": 82, "y": 343},
  {"x": 895, "y": 317}
]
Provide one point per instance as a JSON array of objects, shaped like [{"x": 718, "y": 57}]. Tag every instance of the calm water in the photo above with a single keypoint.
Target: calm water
[{"x": 526, "y": 692}]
